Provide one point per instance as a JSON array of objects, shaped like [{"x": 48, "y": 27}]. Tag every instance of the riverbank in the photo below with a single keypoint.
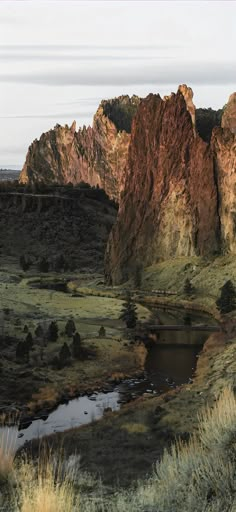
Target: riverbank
[{"x": 109, "y": 358}]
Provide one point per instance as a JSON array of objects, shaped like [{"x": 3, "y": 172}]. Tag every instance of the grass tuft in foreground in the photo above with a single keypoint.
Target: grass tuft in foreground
[{"x": 7, "y": 452}]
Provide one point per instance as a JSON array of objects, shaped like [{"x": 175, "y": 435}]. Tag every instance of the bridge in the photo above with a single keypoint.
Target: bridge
[{"x": 192, "y": 328}]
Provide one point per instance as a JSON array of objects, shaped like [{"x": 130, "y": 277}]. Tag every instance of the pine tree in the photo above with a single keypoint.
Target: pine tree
[
  {"x": 76, "y": 346},
  {"x": 227, "y": 300},
  {"x": 64, "y": 355},
  {"x": 129, "y": 313},
  {"x": 70, "y": 327},
  {"x": 188, "y": 287},
  {"x": 52, "y": 331},
  {"x": 29, "y": 341},
  {"x": 39, "y": 331}
]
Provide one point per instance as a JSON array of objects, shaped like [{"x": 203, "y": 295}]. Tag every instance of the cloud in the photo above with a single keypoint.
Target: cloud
[
  {"x": 93, "y": 47},
  {"x": 71, "y": 115},
  {"x": 73, "y": 53},
  {"x": 197, "y": 73},
  {"x": 70, "y": 57}
]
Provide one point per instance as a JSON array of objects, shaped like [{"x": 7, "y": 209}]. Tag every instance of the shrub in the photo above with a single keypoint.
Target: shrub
[
  {"x": 196, "y": 476},
  {"x": 102, "y": 332}
]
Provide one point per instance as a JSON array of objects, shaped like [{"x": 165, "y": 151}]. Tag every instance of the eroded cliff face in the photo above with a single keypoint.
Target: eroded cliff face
[
  {"x": 95, "y": 155},
  {"x": 223, "y": 145},
  {"x": 170, "y": 202}
]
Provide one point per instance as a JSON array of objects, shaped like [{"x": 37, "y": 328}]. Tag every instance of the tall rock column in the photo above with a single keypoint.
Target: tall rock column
[
  {"x": 169, "y": 206},
  {"x": 223, "y": 143}
]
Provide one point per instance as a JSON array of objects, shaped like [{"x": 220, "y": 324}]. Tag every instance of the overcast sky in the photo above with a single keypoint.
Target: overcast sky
[{"x": 58, "y": 59}]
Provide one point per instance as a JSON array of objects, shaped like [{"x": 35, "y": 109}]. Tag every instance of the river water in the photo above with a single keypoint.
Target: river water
[{"x": 169, "y": 363}]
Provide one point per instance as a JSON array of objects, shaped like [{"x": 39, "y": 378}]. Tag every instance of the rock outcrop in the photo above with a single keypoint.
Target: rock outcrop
[
  {"x": 229, "y": 114},
  {"x": 94, "y": 155},
  {"x": 170, "y": 202}
]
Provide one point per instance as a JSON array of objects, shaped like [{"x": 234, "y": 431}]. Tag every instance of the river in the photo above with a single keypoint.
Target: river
[{"x": 169, "y": 363}]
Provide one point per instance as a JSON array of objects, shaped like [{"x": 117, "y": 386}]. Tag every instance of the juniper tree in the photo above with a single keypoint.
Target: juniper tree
[
  {"x": 64, "y": 355},
  {"x": 29, "y": 341},
  {"x": 129, "y": 312},
  {"x": 227, "y": 300},
  {"x": 102, "y": 332},
  {"x": 39, "y": 332},
  {"x": 24, "y": 263},
  {"x": 188, "y": 287},
  {"x": 52, "y": 333},
  {"x": 70, "y": 327},
  {"x": 76, "y": 346}
]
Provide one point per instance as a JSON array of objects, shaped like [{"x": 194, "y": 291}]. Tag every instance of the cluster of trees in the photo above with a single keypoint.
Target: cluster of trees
[
  {"x": 51, "y": 335},
  {"x": 58, "y": 264}
]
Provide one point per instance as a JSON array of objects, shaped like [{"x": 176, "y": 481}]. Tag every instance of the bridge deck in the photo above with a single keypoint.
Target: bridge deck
[{"x": 156, "y": 327}]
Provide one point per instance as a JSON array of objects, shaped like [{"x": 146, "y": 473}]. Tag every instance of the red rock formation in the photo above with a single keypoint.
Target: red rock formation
[
  {"x": 169, "y": 205},
  {"x": 95, "y": 155},
  {"x": 229, "y": 114},
  {"x": 223, "y": 143}
]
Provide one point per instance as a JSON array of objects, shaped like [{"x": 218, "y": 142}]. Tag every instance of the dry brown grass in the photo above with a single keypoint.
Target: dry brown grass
[
  {"x": 7, "y": 452},
  {"x": 43, "y": 489}
]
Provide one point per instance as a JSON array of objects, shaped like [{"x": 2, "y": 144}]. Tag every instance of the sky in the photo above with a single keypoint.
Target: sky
[{"x": 59, "y": 58}]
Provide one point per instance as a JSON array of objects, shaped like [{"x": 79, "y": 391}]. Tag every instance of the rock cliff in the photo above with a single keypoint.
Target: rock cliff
[
  {"x": 179, "y": 193},
  {"x": 223, "y": 143},
  {"x": 95, "y": 155}
]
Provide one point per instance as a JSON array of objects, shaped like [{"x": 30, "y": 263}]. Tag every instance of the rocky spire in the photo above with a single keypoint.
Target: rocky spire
[
  {"x": 187, "y": 93},
  {"x": 229, "y": 114}
]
